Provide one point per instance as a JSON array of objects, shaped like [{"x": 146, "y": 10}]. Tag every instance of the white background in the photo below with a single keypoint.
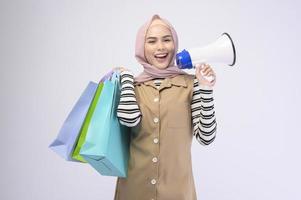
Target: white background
[{"x": 50, "y": 50}]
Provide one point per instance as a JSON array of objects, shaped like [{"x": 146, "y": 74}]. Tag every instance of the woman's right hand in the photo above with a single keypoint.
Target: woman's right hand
[{"x": 121, "y": 69}]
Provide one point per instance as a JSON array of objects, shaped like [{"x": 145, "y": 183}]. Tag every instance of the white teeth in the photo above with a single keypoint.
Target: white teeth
[{"x": 161, "y": 55}]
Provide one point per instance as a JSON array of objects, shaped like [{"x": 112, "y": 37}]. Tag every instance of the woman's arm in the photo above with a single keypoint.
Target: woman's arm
[
  {"x": 202, "y": 108},
  {"x": 128, "y": 111}
]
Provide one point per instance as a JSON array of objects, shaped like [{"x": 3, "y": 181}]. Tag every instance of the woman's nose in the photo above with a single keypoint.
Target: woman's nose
[{"x": 160, "y": 45}]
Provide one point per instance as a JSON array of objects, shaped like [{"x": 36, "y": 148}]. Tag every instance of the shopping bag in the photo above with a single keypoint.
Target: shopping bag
[
  {"x": 64, "y": 143},
  {"x": 106, "y": 147},
  {"x": 85, "y": 125}
]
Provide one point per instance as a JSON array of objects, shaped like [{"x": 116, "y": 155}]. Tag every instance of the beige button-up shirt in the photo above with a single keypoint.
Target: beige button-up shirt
[{"x": 160, "y": 165}]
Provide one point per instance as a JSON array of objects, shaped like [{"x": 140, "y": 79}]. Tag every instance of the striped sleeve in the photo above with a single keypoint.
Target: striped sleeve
[
  {"x": 203, "y": 114},
  {"x": 128, "y": 111}
]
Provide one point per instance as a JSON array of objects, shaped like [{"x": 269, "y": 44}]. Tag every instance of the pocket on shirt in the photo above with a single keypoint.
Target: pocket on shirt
[{"x": 179, "y": 115}]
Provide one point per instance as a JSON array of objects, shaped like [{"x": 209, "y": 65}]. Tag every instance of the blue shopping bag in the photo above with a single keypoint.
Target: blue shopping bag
[
  {"x": 106, "y": 147},
  {"x": 66, "y": 139}
]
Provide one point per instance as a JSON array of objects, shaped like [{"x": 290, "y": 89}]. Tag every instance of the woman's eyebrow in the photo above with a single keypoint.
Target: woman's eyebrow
[
  {"x": 151, "y": 38},
  {"x": 165, "y": 36}
]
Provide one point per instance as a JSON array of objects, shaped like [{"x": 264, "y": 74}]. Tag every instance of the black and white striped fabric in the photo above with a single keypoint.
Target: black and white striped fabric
[
  {"x": 128, "y": 111},
  {"x": 202, "y": 108}
]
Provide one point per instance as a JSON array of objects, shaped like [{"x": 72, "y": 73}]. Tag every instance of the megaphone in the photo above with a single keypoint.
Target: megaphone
[{"x": 221, "y": 51}]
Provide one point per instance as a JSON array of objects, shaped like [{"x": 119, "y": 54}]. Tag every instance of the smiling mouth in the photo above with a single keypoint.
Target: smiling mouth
[{"x": 161, "y": 57}]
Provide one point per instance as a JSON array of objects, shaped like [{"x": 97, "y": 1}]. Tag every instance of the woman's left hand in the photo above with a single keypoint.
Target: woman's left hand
[{"x": 207, "y": 71}]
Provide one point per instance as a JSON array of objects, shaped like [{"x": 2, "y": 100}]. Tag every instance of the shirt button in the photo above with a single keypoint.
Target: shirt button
[
  {"x": 155, "y": 159},
  {"x": 153, "y": 181},
  {"x": 156, "y": 140},
  {"x": 156, "y": 119},
  {"x": 156, "y": 99}
]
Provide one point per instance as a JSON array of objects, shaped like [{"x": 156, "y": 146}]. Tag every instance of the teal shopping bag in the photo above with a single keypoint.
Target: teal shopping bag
[{"x": 106, "y": 147}]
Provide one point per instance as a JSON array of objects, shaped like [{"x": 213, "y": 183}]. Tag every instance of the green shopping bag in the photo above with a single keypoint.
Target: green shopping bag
[{"x": 84, "y": 128}]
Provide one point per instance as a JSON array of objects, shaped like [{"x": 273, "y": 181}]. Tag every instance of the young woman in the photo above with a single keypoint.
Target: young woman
[{"x": 165, "y": 108}]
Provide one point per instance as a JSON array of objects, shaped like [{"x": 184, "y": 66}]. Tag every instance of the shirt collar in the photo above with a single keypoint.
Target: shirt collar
[{"x": 179, "y": 80}]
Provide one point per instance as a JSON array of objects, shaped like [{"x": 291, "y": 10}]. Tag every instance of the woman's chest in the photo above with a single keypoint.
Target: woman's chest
[{"x": 169, "y": 107}]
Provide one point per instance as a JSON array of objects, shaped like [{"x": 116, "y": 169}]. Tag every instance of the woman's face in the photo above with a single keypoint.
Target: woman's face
[{"x": 159, "y": 46}]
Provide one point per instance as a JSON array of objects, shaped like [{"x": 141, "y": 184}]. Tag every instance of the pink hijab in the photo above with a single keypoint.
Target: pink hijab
[{"x": 151, "y": 72}]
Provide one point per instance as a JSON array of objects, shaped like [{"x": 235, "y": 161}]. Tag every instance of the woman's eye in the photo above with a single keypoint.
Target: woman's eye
[
  {"x": 166, "y": 40},
  {"x": 151, "y": 41}
]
